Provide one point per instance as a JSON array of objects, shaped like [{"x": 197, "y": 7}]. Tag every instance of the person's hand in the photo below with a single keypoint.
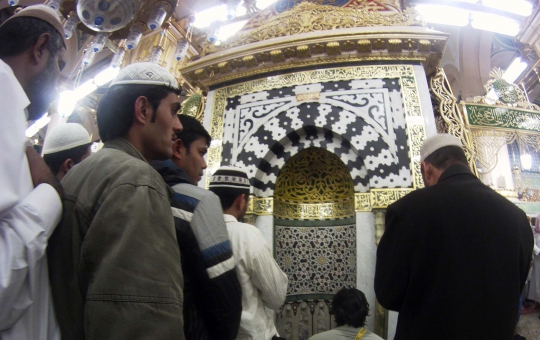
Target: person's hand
[{"x": 40, "y": 172}]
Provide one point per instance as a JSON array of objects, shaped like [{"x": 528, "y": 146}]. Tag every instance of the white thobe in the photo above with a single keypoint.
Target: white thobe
[
  {"x": 262, "y": 281},
  {"x": 28, "y": 216}
]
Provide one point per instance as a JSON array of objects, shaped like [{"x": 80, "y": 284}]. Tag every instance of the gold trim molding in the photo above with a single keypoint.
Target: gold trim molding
[
  {"x": 310, "y": 17},
  {"x": 450, "y": 118},
  {"x": 410, "y": 44},
  {"x": 260, "y": 205},
  {"x": 314, "y": 211},
  {"x": 363, "y": 202}
]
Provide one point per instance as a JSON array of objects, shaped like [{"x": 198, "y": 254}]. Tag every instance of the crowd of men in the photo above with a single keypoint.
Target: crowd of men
[{"x": 129, "y": 247}]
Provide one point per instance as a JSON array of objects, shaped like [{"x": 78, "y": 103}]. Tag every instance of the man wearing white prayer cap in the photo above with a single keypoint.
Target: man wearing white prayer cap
[
  {"x": 65, "y": 146},
  {"x": 114, "y": 261},
  {"x": 31, "y": 57},
  {"x": 455, "y": 255},
  {"x": 264, "y": 284}
]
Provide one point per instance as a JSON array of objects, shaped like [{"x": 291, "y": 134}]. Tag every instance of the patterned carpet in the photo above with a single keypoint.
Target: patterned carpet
[{"x": 529, "y": 326}]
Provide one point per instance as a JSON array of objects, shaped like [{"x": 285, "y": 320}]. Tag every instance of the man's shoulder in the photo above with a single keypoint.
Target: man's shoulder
[
  {"x": 110, "y": 168},
  {"x": 192, "y": 194},
  {"x": 248, "y": 232},
  {"x": 414, "y": 198}
]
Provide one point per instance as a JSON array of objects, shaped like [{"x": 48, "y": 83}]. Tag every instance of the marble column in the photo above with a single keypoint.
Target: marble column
[{"x": 381, "y": 314}]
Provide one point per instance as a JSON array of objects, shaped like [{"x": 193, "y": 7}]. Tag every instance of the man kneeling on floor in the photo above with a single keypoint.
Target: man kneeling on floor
[{"x": 350, "y": 310}]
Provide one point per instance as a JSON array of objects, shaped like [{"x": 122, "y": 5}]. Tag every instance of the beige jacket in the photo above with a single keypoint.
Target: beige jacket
[{"x": 114, "y": 260}]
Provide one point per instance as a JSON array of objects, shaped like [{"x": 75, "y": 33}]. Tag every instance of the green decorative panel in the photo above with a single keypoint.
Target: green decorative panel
[{"x": 502, "y": 117}]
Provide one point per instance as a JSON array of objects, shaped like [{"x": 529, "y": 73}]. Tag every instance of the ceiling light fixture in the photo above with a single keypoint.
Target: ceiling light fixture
[
  {"x": 520, "y": 7},
  {"x": 498, "y": 16},
  {"x": 494, "y": 23},
  {"x": 229, "y": 30},
  {"x": 526, "y": 161},
  {"x": 38, "y": 125},
  {"x": 445, "y": 15}
]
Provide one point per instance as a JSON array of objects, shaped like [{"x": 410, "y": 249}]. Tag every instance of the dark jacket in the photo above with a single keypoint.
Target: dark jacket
[
  {"x": 453, "y": 260},
  {"x": 212, "y": 292},
  {"x": 113, "y": 259}
]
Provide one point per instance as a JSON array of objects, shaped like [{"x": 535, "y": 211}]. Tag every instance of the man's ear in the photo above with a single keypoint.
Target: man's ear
[
  {"x": 40, "y": 49},
  {"x": 178, "y": 149},
  {"x": 67, "y": 165},
  {"x": 240, "y": 202},
  {"x": 429, "y": 171},
  {"x": 143, "y": 112}
]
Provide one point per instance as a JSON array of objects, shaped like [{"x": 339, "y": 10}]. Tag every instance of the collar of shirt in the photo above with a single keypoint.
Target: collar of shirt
[
  {"x": 13, "y": 82},
  {"x": 454, "y": 170},
  {"x": 229, "y": 218},
  {"x": 125, "y": 146}
]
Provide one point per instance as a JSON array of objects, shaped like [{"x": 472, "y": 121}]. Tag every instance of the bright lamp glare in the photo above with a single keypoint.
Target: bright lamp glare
[
  {"x": 84, "y": 89},
  {"x": 526, "y": 161},
  {"x": 444, "y": 15},
  {"x": 106, "y": 76},
  {"x": 240, "y": 11},
  {"x": 514, "y": 70},
  {"x": 228, "y": 31},
  {"x": 205, "y": 18},
  {"x": 495, "y": 23},
  {"x": 38, "y": 125},
  {"x": 67, "y": 103},
  {"x": 520, "y": 7},
  {"x": 262, "y": 4}
]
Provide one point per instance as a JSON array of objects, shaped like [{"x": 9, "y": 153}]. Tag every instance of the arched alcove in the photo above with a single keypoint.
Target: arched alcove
[{"x": 315, "y": 238}]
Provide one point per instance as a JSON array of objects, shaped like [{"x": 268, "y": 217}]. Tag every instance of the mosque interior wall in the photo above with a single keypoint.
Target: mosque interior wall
[{"x": 372, "y": 119}]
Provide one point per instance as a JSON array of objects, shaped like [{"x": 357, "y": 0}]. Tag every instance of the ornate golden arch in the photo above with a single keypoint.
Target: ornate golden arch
[{"x": 314, "y": 185}]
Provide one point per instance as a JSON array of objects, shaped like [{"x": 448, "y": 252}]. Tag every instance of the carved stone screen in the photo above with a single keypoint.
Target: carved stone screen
[{"x": 317, "y": 260}]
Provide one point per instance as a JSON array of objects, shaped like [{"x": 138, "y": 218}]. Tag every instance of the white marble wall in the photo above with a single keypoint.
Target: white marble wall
[
  {"x": 425, "y": 100},
  {"x": 392, "y": 324},
  {"x": 266, "y": 226},
  {"x": 366, "y": 251}
]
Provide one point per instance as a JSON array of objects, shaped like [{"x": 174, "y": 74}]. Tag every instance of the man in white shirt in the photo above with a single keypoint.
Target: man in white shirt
[
  {"x": 262, "y": 281},
  {"x": 31, "y": 57}
]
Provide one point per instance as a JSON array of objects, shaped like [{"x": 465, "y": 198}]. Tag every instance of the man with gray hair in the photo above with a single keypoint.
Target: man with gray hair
[
  {"x": 31, "y": 57},
  {"x": 114, "y": 260},
  {"x": 455, "y": 255}
]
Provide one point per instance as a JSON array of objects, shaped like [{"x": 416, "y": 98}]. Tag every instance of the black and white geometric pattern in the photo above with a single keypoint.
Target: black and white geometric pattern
[{"x": 361, "y": 121}]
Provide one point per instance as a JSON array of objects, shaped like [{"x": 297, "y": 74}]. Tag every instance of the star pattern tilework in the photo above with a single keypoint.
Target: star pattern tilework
[{"x": 317, "y": 259}]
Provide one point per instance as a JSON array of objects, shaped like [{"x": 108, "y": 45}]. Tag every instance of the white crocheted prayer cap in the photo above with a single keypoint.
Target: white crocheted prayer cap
[
  {"x": 41, "y": 12},
  {"x": 65, "y": 137},
  {"x": 145, "y": 74},
  {"x": 436, "y": 142}
]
